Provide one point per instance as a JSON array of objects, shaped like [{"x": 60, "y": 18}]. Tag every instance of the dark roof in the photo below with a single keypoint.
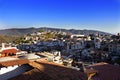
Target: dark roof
[
  {"x": 44, "y": 70},
  {"x": 90, "y": 71},
  {"x": 106, "y": 71},
  {"x": 34, "y": 74}
]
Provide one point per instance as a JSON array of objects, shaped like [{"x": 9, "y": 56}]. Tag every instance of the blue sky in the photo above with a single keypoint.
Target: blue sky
[{"x": 101, "y": 15}]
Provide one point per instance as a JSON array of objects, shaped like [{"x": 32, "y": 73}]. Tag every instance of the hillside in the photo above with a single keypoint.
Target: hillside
[
  {"x": 17, "y": 31},
  {"x": 23, "y": 31},
  {"x": 7, "y": 38}
]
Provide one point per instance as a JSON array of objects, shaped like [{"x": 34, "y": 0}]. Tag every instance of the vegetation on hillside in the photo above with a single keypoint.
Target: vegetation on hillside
[{"x": 7, "y": 39}]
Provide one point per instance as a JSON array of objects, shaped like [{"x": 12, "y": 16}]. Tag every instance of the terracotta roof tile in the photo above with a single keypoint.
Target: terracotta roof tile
[
  {"x": 33, "y": 74},
  {"x": 14, "y": 62},
  {"x": 9, "y": 51},
  {"x": 44, "y": 70},
  {"x": 106, "y": 71}
]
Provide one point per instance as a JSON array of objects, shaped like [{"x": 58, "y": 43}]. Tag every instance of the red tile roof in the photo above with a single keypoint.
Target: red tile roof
[
  {"x": 9, "y": 51},
  {"x": 34, "y": 74},
  {"x": 106, "y": 71},
  {"x": 44, "y": 70},
  {"x": 14, "y": 62}
]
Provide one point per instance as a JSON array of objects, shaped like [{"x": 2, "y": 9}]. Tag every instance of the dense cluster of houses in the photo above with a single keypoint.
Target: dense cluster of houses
[{"x": 92, "y": 47}]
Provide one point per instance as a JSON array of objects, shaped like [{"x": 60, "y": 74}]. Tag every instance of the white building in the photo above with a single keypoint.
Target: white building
[{"x": 77, "y": 36}]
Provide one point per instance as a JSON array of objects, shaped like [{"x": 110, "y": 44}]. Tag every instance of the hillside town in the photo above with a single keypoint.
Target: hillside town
[
  {"x": 59, "y": 39},
  {"x": 92, "y": 48},
  {"x": 86, "y": 55}
]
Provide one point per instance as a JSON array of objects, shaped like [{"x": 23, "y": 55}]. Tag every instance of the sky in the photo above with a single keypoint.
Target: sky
[{"x": 103, "y": 15}]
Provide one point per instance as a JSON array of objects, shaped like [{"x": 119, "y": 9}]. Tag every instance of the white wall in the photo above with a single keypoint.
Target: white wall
[
  {"x": 7, "y": 69},
  {"x": 12, "y": 71}
]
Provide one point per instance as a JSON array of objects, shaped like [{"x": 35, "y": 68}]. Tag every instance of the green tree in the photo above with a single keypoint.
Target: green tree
[
  {"x": 59, "y": 35},
  {"x": 48, "y": 36}
]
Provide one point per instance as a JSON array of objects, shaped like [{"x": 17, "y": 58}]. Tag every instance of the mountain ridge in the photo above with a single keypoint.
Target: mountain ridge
[{"x": 24, "y": 31}]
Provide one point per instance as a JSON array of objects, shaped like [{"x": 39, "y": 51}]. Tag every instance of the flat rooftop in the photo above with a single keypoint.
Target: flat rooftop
[{"x": 3, "y": 59}]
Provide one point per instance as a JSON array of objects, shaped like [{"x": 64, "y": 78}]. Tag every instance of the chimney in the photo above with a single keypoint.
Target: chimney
[
  {"x": 81, "y": 66},
  {"x": 3, "y": 45}
]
